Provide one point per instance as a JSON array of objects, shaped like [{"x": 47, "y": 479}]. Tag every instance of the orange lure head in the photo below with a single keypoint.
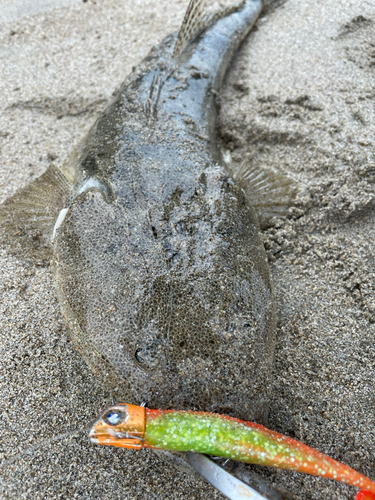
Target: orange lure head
[{"x": 121, "y": 425}]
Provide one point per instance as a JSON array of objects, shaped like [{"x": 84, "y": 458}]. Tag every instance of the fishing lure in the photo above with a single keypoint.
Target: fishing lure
[{"x": 136, "y": 427}]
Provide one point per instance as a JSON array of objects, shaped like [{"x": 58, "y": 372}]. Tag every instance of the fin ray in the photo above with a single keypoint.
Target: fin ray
[
  {"x": 271, "y": 194},
  {"x": 196, "y": 19},
  {"x": 28, "y": 217}
]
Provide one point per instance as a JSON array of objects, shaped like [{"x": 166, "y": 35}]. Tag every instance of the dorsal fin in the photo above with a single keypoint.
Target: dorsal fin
[{"x": 196, "y": 19}]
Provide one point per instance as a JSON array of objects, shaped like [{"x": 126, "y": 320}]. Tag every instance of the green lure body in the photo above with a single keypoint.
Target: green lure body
[{"x": 235, "y": 439}]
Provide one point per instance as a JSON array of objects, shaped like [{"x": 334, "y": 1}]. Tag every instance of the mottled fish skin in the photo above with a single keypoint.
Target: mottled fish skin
[{"x": 160, "y": 270}]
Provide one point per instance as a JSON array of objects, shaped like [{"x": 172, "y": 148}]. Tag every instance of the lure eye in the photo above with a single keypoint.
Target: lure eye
[{"x": 114, "y": 418}]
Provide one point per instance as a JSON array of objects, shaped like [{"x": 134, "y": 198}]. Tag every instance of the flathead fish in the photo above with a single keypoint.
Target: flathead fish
[{"x": 159, "y": 267}]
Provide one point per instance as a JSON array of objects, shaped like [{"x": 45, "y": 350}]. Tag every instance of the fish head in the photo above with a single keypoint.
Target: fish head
[
  {"x": 134, "y": 318},
  {"x": 160, "y": 315},
  {"x": 126, "y": 310}
]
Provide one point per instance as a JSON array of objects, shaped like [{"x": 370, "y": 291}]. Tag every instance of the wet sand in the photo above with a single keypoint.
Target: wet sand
[{"x": 299, "y": 99}]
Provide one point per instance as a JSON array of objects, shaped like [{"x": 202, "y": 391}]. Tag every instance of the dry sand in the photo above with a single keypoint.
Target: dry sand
[{"x": 300, "y": 98}]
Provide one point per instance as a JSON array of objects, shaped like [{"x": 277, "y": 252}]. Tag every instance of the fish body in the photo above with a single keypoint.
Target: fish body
[
  {"x": 160, "y": 270},
  {"x": 158, "y": 264}
]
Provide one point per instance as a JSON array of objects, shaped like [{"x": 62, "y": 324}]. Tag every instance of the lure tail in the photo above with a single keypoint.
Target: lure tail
[
  {"x": 365, "y": 495},
  {"x": 132, "y": 427}
]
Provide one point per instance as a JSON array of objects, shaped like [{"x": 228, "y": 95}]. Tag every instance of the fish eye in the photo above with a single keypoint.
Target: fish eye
[
  {"x": 146, "y": 357},
  {"x": 138, "y": 355},
  {"x": 114, "y": 417},
  {"x": 92, "y": 184}
]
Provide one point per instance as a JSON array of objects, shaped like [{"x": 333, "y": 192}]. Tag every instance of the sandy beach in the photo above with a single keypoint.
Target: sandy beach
[{"x": 299, "y": 99}]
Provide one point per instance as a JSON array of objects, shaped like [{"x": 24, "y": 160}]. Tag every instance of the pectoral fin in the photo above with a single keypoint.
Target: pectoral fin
[
  {"x": 28, "y": 217},
  {"x": 271, "y": 194}
]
